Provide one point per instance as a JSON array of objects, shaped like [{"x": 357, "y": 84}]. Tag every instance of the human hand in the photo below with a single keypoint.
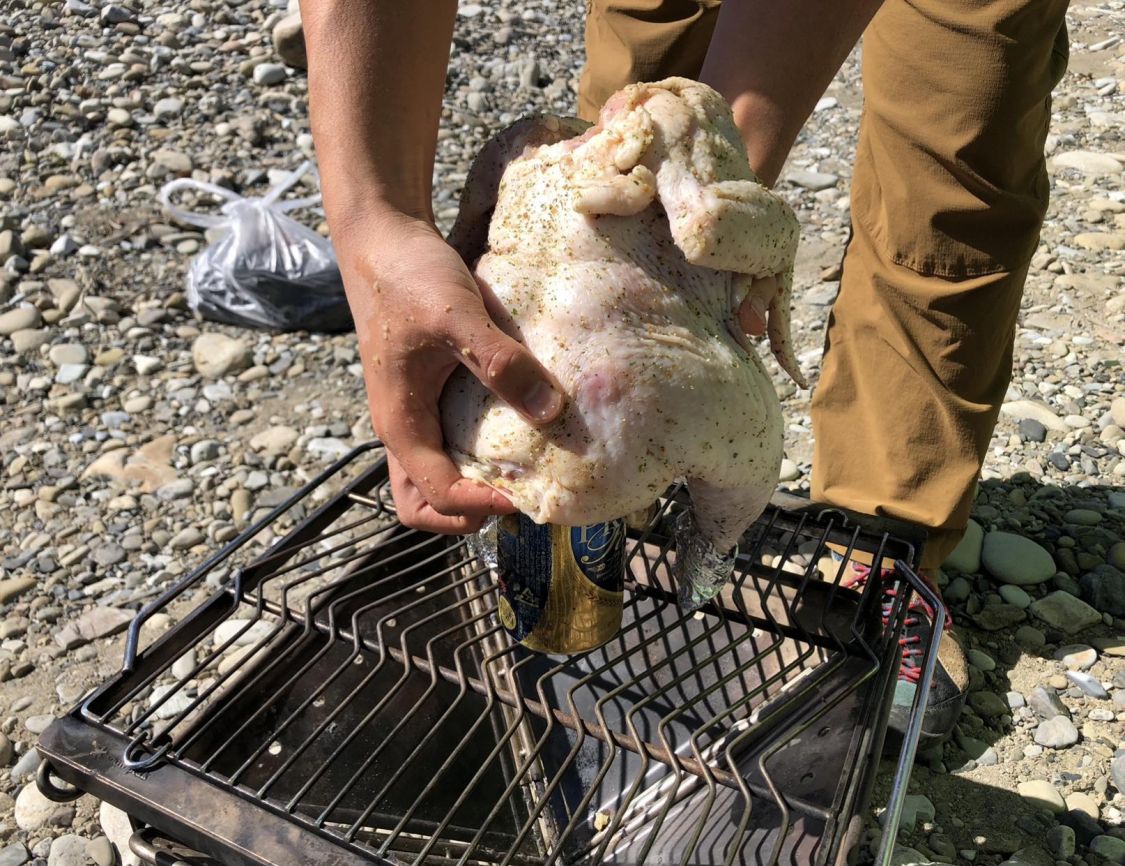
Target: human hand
[{"x": 419, "y": 313}]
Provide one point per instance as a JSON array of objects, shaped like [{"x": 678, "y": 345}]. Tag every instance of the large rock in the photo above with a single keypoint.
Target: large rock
[
  {"x": 100, "y": 850},
  {"x": 32, "y": 808},
  {"x": 1076, "y": 657},
  {"x": 988, "y": 705},
  {"x": 118, "y": 828},
  {"x": 274, "y": 440},
  {"x": 328, "y": 448},
  {"x": 916, "y": 808},
  {"x": 15, "y": 854},
  {"x": 1116, "y": 556},
  {"x": 1041, "y": 793},
  {"x": 167, "y": 108},
  {"x": 68, "y": 850},
  {"x": 1088, "y": 162},
  {"x": 1056, "y": 733},
  {"x": 10, "y": 245},
  {"x": 902, "y": 855},
  {"x": 1060, "y": 842},
  {"x": 1014, "y": 559},
  {"x": 958, "y": 591},
  {"x": 26, "y": 766},
  {"x": 1063, "y": 611},
  {"x": 173, "y": 161},
  {"x": 1041, "y": 412},
  {"x": 1100, "y": 241},
  {"x": 1015, "y": 596},
  {"x": 269, "y": 74},
  {"x": 1110, "y": 646},
  {"x": 994, "y": 617},
  {"x": 1031, "y": 637},
  {"x": 217, "y": 355},
  {"x": 148, "y": 466},
  {"x": 97, "y": 622},
  {"x": 19, "y": 319},
  {"x": 1082, "y": 803},
  {"x": 186, "y": 538},
  {"x": 62, "y": 354},
  {"x": 1088, "y": 684},
  {"x": 29, "y": 340},
  {"x": 1031, "y": 430},
  {"x": 1103, "y": 588},
  {"x": 1117, "y": 772},
  {"x": 12, "y": 587},
  {"x": 1084, "y": 826},
  {"x": 1117, "y": 411},
  {"x": 965, "y": 558},
  {"x": 1029, "y": 855},
  {"x": 289, "y": 41},
  {"x": 1110, "y": 848},
  {"x": 811, "y": 180}
]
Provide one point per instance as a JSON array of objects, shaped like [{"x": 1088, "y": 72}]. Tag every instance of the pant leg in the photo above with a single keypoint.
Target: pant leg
[
  {"x": 948, "y": 196},
  {"x": 641, "y": 40}
]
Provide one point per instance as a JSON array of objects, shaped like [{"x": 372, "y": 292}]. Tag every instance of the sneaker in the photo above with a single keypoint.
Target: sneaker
[{"x": 950, "y": 682}]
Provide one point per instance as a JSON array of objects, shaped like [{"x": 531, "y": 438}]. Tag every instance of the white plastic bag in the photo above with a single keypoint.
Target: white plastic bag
[{"x": 267, "y": 270}]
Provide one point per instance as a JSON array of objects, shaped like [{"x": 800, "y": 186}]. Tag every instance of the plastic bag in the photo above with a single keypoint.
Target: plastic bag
[{"x": 267, "y": 270}]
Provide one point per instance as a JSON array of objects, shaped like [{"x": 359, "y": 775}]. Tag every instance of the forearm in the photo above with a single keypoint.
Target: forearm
[
  {"x": 773, "y": 59},
  {"x": 376, "y": 75}
]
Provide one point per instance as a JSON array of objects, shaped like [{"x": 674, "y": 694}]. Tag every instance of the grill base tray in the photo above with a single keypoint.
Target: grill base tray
[{"x": 329, "y": 739}]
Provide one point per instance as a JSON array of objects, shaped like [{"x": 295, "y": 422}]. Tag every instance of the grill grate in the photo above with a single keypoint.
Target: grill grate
[{"x": 353, "y": 680}]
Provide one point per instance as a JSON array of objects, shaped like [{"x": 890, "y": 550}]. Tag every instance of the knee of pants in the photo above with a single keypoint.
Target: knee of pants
[
  {"x": 950, "y": 177},
  {"x": 641, "y": 40}
]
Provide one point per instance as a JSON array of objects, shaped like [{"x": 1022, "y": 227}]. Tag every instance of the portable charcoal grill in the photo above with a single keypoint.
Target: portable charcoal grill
[{"x": 344, "y": 694}]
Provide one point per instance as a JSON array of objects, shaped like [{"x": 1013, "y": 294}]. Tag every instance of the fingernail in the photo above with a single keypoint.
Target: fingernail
[{"x": 542, "y": 402}]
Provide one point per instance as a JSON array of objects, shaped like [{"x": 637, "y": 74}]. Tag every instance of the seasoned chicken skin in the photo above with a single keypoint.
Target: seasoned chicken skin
[{"x": 620, "y": 256}]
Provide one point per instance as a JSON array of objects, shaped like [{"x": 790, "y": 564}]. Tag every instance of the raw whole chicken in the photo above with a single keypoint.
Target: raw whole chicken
[{"x": 619, "y": 254}]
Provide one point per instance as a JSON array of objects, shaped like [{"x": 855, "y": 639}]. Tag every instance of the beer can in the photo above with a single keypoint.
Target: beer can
[{"x": 561, "y": 587}]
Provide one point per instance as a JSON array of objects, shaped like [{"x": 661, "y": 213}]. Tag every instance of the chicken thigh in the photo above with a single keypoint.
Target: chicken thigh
[{"x": 620, "y": 255}]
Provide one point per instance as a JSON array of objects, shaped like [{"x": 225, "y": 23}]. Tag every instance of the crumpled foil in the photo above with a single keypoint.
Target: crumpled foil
[
  {"x": 700, "y": 569},
  {"x": 482, "y": 543}
]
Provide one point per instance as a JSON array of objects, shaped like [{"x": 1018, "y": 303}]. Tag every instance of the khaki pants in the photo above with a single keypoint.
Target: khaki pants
[{"x": 948, "y": 195}]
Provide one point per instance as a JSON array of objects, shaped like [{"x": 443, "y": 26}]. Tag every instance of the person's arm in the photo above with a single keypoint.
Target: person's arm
[
  {"x": 773, "y": 60},
  {"x": 376, "y": 77}
]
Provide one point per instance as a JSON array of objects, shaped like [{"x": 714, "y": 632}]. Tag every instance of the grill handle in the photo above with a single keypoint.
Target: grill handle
[
  {"x": 142, "y": 844},
  {"x": 53, "y": 788}
]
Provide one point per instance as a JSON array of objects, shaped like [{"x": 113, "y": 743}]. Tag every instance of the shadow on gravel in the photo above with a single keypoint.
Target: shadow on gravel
[{"x": 1037, "y": 651}]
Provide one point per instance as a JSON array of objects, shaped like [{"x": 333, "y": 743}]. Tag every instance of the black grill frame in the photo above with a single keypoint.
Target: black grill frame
[{"x": 191, "y": 803}]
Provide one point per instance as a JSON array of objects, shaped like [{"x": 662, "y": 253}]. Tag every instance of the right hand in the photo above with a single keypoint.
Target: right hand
[{"x": 418, "y": 314}]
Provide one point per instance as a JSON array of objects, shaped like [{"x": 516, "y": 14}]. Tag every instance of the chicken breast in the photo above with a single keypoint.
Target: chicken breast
[{"x": 620, "y": 255}]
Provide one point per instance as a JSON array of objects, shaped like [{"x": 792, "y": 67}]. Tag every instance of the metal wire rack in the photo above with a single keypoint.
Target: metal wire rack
[{"x": 347, "y": 695}]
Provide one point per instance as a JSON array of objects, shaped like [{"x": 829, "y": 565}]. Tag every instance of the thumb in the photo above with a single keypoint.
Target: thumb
[
  {"x": 752, "y": 311},
  {"x": 506, "y": 367}
]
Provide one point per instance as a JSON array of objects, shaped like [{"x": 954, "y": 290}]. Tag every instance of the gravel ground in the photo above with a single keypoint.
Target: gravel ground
[{"x": 136, "y": 438}]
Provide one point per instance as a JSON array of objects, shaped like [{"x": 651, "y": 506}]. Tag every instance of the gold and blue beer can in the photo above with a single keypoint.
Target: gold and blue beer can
[{"x": 561, "y": 587}]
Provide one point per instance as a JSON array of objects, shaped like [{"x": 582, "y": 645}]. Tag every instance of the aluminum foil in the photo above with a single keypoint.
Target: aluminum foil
[
  {"x": 700, "y": 570},
  {"x": 482, "y": 543}
]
